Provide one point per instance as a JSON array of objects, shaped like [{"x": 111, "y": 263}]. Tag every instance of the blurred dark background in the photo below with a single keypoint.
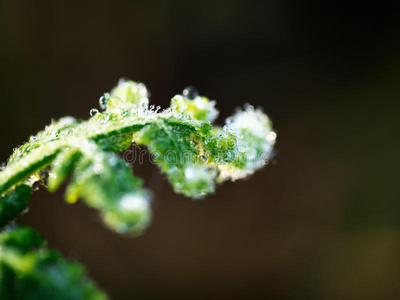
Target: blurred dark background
[{"x": 322, "y": 222}]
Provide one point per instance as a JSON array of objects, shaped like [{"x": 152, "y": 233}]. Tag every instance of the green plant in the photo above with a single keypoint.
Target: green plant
[{"x": 192, "y": 153}]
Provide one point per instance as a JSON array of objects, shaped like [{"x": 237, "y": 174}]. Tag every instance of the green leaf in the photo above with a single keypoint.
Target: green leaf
[
  {"x": 62, "y": 166},
  {"x": 105, "y": 182},
  {"x": 14, "y": 203},
  {"x": 28, "y": 270}
]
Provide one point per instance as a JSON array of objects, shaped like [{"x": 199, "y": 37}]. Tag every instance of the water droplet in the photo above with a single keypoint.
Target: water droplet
[
  {"x": 248, "y": 107},
  {"x": 98, "y": 168},
  {"x": 172, "y": 169},
  {"x": 123, "y": 80},
  {"x": 93, "y": 112},
  {"x": 33, "y": 139},
  {"x": 211, "y": 171},
  {"x": 190, "y": 92},
  {"x": 204, "y": 158},
  {"x": 141, "y": 88},
  {"x": 103, "y": 102},
  {"x": 190, "y": 173},
  {"x": 144, "y": 103},
  {"x": 271, "y": 137},
  {"x": 132, "y": 202},
  {"x": 113, "y": 161}
]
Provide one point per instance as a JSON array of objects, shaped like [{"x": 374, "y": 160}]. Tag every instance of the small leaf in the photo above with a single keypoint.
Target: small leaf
[
  {"x": 62, "y": 166},
  {"x": 14, "y": 203},
  {"x": 105, "y": 182}
]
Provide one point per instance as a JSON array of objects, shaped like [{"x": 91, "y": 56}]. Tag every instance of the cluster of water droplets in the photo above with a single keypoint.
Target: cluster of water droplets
[
  {"x": 256, "y": 140},
  {"x": 195, "y": 106},
  {"x": 251, "y": 119}
]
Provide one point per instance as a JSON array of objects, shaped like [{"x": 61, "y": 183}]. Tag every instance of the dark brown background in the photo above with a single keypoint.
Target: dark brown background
[{"x": 322, "y": 223}]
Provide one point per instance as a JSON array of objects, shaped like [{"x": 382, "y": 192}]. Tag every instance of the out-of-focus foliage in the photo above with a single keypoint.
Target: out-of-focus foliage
[
  {"x": 28, "y": 270},
  {"x": 14, "y": 203}
]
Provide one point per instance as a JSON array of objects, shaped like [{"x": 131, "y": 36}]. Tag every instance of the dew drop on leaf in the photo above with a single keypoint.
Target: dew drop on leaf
[
  {"x": 211, "y": 172},
  {"x": 103, "y": 102},
  {"x": 144, "y": 103},
  {"x": 190, "y": 92},
  {"x": 93, "y": 112},
  {"x": 123, "y": 80}
]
